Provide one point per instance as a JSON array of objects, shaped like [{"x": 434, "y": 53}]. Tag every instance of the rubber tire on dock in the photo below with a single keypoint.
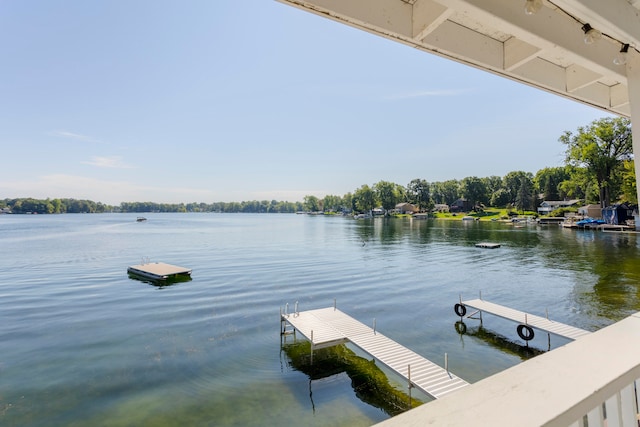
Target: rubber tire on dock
[
  {"x": 460, "y": 309},
  {"x": 525, "y": 332}
]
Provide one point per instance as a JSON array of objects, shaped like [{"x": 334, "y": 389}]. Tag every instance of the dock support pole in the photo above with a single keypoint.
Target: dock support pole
[
  {"x": 374, "y": 326},
  {"x": 409, "y": 380},
  {"x": 446, "y": 362},
  {"x": 312, "y": 346},
  {"x": 334, "y": 304},
  {"x": 295, "y": 311}
]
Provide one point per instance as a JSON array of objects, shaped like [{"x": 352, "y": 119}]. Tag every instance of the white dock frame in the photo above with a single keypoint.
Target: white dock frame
[
  {"x": 330, "y": 326},
  {"x": 531, "y": 320}
]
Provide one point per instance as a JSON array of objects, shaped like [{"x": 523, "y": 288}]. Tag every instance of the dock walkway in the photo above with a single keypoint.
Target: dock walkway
[
  {"x": 330, "y": 326},
  {"x": 531, "y": 320}
]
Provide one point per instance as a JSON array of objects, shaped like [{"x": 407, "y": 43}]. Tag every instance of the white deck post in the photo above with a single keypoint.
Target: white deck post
[
  {"x": 595, "y": 417},
  {"x": 633, "y": 83}
]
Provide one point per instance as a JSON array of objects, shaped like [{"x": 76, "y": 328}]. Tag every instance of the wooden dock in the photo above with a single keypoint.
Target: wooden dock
[
  {"x": 330, "y": 326},
  {"x": 531, "y": 320}
]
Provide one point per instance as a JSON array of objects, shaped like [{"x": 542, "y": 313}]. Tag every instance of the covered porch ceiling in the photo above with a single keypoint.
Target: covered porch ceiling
[{"x": 544, "y": 48}]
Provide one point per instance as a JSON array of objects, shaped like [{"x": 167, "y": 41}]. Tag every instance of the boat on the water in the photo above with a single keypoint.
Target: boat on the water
[
  {"x": 141, "y": 219},
  {"x": 589, "y": 222}
]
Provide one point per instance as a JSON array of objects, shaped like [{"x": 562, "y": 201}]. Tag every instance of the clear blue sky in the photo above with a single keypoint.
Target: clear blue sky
[{"x": 226, "y": 100}]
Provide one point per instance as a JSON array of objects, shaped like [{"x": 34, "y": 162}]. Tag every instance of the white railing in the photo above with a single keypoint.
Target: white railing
[
  {"x": 590, "y": 382},
  {"x": 620, "y": 410}
]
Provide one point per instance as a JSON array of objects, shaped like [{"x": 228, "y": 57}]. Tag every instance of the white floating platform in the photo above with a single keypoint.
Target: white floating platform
[
  {"x": 329, "y": 326},
  {"x": 159, "y": 271},
  {"x": 532, "y": 320},
  {"x": 487, "y": 245}
]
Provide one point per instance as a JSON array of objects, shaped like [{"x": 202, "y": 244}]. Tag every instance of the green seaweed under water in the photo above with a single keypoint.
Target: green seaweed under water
[
  {"x": 370, "y": 384},
  {"x": 504, "y": 344}
]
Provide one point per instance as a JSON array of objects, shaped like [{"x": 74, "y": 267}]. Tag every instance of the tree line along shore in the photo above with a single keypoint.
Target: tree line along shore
[{"x": 599, "y": 168}]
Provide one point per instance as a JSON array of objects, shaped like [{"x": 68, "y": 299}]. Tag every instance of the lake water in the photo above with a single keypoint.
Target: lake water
[{"x": 84, "y": 344}]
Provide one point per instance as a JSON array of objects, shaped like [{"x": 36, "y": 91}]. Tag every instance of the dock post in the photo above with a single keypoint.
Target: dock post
[
  {"x": 312, "y": 346},
  {"x": 446, "y": 362},
  {"x": 409, "y": 380},
  {"x": 295, "y": 311},
  {"x": 548, "y": 334},
  {"x": 286, "y": 309},
  {"x": 334, "y": 304},
  {"x": 374, "y": 326}
]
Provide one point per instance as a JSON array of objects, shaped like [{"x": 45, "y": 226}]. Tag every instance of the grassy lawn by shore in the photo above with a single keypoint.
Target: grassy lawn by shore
[{"x": 487, "y": 215}]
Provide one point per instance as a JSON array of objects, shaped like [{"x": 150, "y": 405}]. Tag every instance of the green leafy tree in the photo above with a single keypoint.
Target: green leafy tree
[
  {"x": 474, "y": 190},
  {"x": 492, "y": 183},
  {"x": 628, "y": 186},
  {"x": 547, "y": 182},
  {"x": 332, "y": 203},
  {"x": 500, "y": 198},
  {"x": 419, "y": 193},
  {"x": 512, "y": 182},
  {"x": 601, "y": 148},
  {"x": 524, "y": 198},
  {"x": 364, "y": 199},
  {"x": 311, "y": 203},
  {"x": 389, "y": 194},
  {"x": 578, "y": 185},
  {"x": 347, "y": 201},
  {"x": 445, "y": 192}
]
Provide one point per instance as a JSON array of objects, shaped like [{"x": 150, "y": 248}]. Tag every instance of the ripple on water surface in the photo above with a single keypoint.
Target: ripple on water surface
[{"x": 85, "y": 344}]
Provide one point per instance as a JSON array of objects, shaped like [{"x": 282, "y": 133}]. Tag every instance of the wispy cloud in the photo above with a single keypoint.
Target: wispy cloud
[
  {"x": 73, "y": 135},
  {"x": 430, "y": 93},
  {"x": 113, "y": 162}
]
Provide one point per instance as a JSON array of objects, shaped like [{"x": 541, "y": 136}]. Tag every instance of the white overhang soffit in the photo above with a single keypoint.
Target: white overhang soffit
[{"x": 545, "y": 50}]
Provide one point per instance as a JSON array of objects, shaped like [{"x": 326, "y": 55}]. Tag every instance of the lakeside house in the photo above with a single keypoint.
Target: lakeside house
[
  {"x": 406, "y": 208},
  {"x": 591, "y": 211},
  {"x": 548, "y": 206},
  {"x": 618, "y": 214},
  {"x": 461, "y": 205}
]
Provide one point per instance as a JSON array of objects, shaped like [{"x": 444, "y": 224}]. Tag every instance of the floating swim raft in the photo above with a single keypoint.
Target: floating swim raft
[
  {"x": 159, "y": 271},
  {"x": 487, "y": 245}
]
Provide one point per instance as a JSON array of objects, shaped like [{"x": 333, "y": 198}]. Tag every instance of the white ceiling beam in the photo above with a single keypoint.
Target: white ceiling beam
[
  {"x": 391, "y": 19},
  {"x": 518, "y": 52},
  {"x": 543, "y": 72},
  {"x": 598, "y": 93},
  {"x": 617, "y": 18},
  {"x": 427, "y": 16},
  {"x": 548, "y": 29},
  {"x": 579, "y": 77},
  {"x": 460, "y": 42},
  {"x": 619, "y": 95}
]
